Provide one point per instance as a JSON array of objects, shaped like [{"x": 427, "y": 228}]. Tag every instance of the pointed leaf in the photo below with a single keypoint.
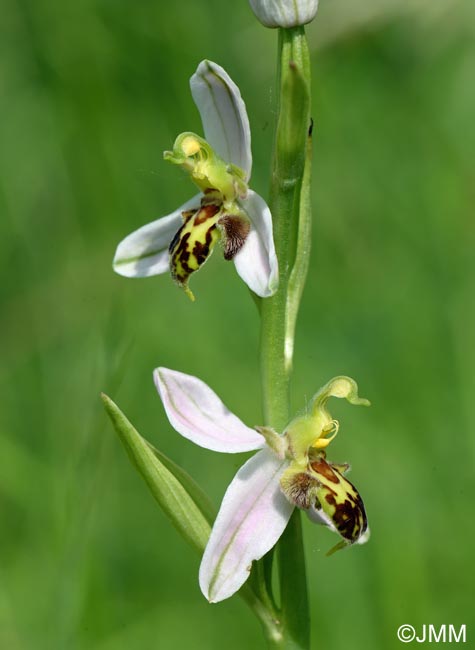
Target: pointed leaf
[
  {"x": 198, "y": 495},
  {"x": 173, "y": 498}
]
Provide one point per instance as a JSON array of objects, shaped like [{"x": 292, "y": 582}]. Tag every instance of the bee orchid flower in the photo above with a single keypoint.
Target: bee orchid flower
[
  {"x": 288, "y": 470},
  {"x": 225, "y": 210}
]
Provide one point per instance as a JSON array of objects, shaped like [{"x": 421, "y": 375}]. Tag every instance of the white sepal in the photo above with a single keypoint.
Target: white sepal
[
  {"x": 197, "y": 413},
  {"x": 145, "y": 251},
  {"x": 223, "y": 114},
  {"x": 256, "y": 262},
  {"x": 252, "y": 517}
]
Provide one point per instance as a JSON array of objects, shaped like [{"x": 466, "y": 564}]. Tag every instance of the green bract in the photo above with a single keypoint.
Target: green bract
[{"x": 178, "y": 495}]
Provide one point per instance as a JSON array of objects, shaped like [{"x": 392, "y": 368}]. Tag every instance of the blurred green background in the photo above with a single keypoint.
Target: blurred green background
[{"x": 91, "y": 93}]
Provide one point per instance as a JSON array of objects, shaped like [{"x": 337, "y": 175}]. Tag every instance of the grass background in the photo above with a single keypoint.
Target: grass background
[{"x": 91, "y": 93}]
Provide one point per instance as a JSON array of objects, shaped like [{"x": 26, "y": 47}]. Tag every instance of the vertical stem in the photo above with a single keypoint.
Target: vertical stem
[
  {"x": 278, "y": 313},
  {"x": 295, "y": 614},
  {"x": 287, "y": 175},
  {"x": 274, "y": 376}
]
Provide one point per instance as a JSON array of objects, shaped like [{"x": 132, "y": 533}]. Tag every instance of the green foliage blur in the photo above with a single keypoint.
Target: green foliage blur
[{"x": 91, "y": 93}]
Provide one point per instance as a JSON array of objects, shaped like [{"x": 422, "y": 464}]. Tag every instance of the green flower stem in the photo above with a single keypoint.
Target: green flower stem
[
  {"x": 285, "y": 196},
  {"x": 295, "y": 614},
  {"x": 291, "y": 215},
  {"x": 267, "y": 615}
]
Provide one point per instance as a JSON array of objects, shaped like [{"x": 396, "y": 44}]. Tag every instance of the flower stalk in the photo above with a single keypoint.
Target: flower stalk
[
  {"x": 289, "y": 161},
  {"x": 288, "y": 195}
]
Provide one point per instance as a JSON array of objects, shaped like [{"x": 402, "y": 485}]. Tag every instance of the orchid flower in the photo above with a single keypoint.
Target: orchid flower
[
  {"x": 225, "y": 210},
  {"x": 288, "y": 470}
]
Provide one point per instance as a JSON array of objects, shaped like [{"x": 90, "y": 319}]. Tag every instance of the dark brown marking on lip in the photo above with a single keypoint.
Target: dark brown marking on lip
[
  {"x": 206, "y": 212},
  {"x": 348, "y": 521},
  {"x": 202, "y": 250},
  {"x": 175, "y": 239},
  {"x": 349, "y": 515},
  {"x": 323, "y": 468},
  {"x": 180, "y": 253},
  {"x": 181, "y": 248},
  {"x": 350, "y": 518},
  {"x": 187, "y": 214}
]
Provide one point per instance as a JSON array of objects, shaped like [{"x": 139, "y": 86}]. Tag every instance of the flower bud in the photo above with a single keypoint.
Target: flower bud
[{"x": 284, "y": 13}]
